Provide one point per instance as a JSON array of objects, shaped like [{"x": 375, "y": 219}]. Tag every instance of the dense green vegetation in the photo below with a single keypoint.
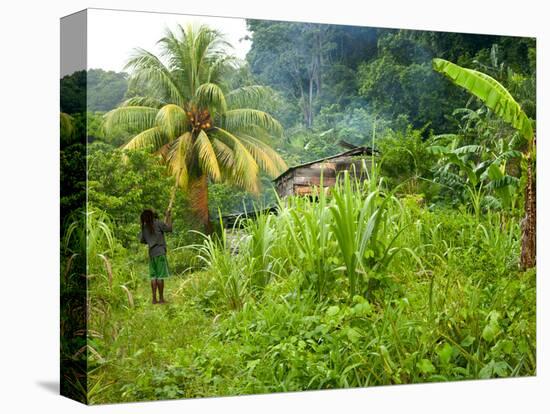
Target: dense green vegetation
[{"x": 410, "y": 276}]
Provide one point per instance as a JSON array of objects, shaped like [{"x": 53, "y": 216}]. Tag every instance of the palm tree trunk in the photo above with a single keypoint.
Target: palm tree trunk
[
  {"x": 198, "y": 197},
  {"x": 529, "y": 223}
]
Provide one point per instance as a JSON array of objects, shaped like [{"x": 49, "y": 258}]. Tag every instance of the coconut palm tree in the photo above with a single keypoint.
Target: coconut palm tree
[
  {"x": 187, "y": 114},
  {"x": 501, "y": 102}
]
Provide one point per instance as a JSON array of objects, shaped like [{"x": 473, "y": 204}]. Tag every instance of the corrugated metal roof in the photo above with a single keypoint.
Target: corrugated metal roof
[{"x": 351, "y": 152}]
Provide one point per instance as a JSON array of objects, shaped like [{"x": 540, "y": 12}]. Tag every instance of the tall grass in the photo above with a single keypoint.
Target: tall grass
[
  {"x": 351, "y": 232},
  {"x": 366, "y": 225},
  {"x": 260, "y": 262},
  {"x": 306, "y": 240},
  {"x": 229, "y": 277}
]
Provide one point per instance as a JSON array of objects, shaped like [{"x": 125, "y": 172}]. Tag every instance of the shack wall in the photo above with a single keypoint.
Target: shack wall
[
  {"x": 302, "y": 180},
  {"x": 284, "y": 185}
]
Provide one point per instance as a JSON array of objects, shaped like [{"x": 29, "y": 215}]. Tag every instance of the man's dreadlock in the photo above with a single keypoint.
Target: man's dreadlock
[{"x": 147, "y": 218}]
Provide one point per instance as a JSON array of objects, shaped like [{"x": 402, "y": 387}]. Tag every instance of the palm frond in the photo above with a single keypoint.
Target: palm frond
[
  {"x": 209, "y": 45},
  {"x": 208, "y": 161},
  {"x": 245, "y": 171},
  {"x": 150, "y": 138},
  {"x": 219, "y": 67},
  {"x": 225, "y": 156},
  {"x": 178, "y": 159},
  {"x": 147, "y": 68},
  {"x": 249, "y": 96},
  {"x": 262, "y": 159},
  {"x": 143, "y": 101},
  {"x": 195, "y": 55},
  {"x": 130, "y": 117},
  {"x": 266, "y": 157},
  {"x": 210, "y": 95},
  {"x": 172, "y": 121},
  {"x": 241, "y": 119},
  {"x": 174, "y": 49}
]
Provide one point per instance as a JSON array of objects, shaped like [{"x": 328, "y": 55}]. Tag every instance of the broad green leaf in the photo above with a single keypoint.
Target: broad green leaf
[
  {"x": 490, "y": 91},
  {"x": 353, "y": 334},
  {"x": 504, "y": 346},
  {"x": 425, "y": 366},
  {"x": 494, "y": 172},
  {"x": 445, "y": 353},
  {"x": 492, "y": 329},
  {"x": 333, "y": 310},
  {"x": 362, "y": 309},
  {"x": 486, "y": 371},
  {"x": 469, "y": 149},
  {"x": 501, "y": 368}
]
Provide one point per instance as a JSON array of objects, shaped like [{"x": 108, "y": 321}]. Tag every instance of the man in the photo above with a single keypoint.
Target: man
[{"x": 152, "y": 234}]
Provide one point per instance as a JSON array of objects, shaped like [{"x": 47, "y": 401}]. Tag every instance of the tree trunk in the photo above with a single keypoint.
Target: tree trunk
[
  {"x": 198, "y": 198},
  {"x": 529, "y": 223},
  {"x": 310, "y": 103}
]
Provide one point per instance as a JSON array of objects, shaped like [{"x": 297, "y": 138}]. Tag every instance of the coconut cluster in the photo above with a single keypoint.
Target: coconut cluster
[{"x": 199, "y": 119}]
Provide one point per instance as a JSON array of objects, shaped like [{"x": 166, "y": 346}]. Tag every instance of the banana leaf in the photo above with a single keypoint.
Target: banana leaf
[{"x": 490, "y": 91}]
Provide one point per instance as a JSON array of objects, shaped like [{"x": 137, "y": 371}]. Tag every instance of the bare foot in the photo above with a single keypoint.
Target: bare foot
[{"x": 155, "y": 302}]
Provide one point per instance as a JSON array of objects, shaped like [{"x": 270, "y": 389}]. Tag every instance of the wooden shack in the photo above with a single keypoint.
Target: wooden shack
[{"x": 303, "y": 178}]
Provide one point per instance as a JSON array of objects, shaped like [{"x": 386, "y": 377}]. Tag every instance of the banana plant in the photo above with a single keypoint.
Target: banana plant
[
  {"x": 459, "y": 171},
  {"x": 476, "y": 170},
  {"x": 497, "y": 98}
]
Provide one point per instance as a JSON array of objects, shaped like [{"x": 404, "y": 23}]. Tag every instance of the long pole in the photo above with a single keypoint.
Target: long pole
[{"x": 171, "y": 202}]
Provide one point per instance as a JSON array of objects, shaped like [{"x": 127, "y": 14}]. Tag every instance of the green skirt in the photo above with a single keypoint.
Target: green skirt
[{"x": 158, "y": 267}]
